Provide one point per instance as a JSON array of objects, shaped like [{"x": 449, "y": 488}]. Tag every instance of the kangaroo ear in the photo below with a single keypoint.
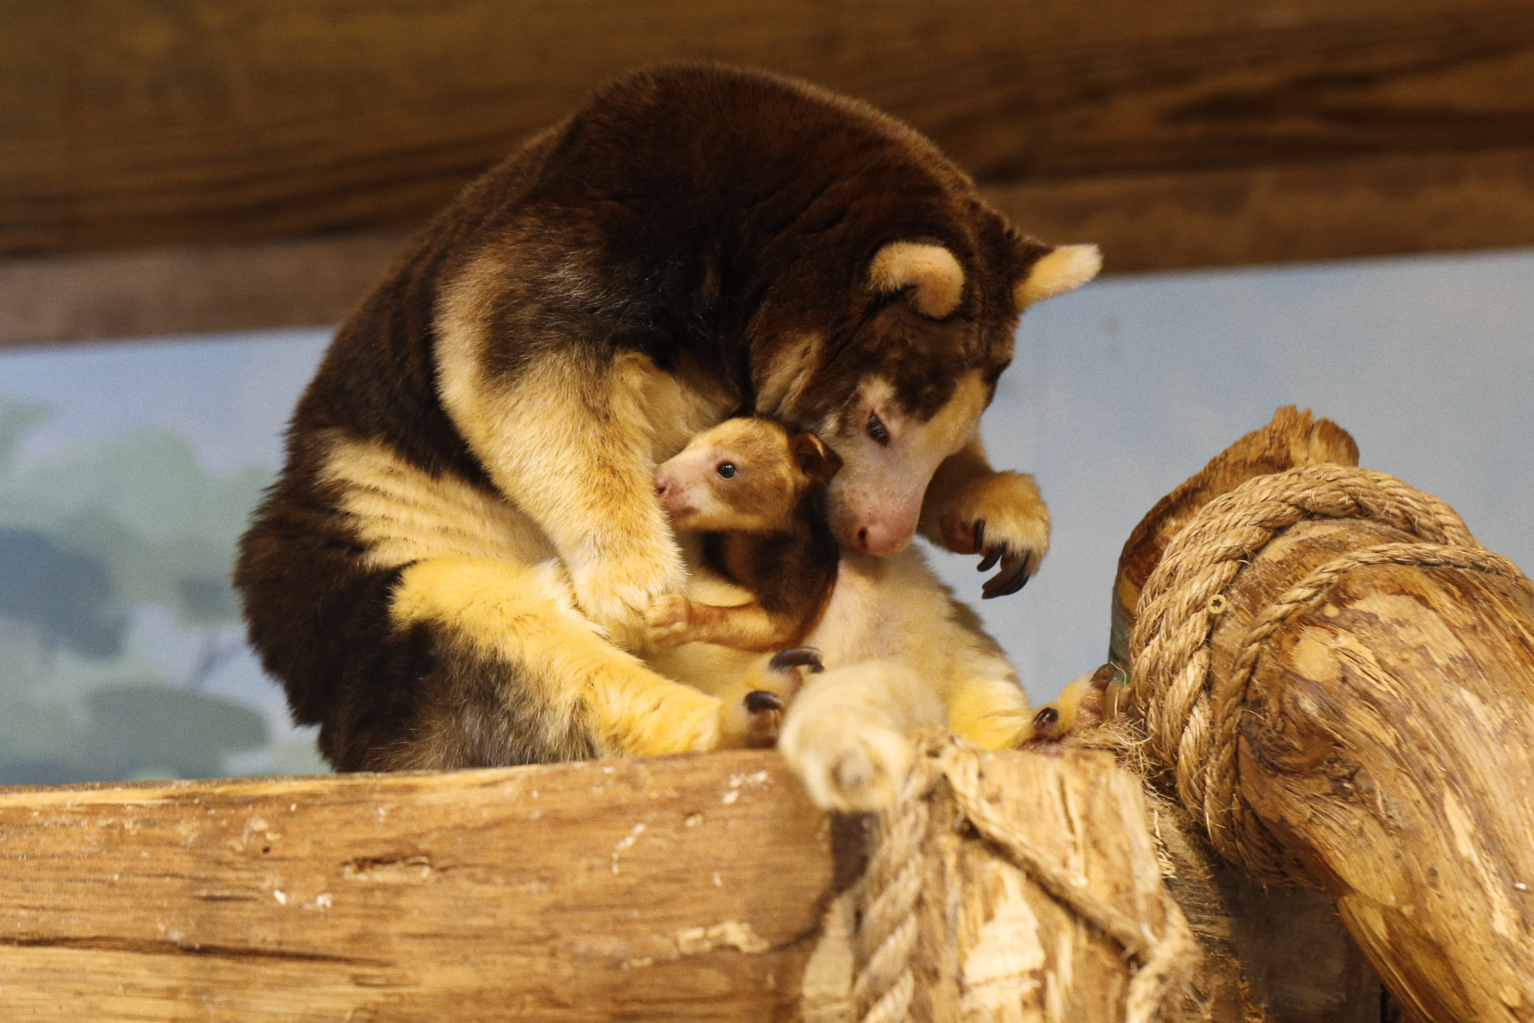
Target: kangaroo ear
[
  {"x": 1057, "y": 271},
  {"x": 935, "y": 276},
  {"x": 816, "y": 461}
]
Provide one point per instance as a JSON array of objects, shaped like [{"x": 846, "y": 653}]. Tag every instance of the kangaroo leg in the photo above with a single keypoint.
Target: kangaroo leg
[{"x": 525, "y": 677}]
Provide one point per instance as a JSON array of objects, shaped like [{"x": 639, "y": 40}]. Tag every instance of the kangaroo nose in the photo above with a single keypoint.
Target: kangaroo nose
[{"x": 881, "y": 538}]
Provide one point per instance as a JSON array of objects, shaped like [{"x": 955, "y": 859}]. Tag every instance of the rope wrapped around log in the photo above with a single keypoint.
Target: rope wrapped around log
[
  {"x": 1192, "y": 722},
  {"x": 888, "y": 943}
]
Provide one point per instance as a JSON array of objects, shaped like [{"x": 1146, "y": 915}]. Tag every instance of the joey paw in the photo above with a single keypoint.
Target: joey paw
[
  {"x": 615, "y": 593},
  {"x": 668, "y": 620}
]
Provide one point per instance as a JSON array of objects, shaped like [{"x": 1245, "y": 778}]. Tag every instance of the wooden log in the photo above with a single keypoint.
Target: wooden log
[
  {"x": 196, "y": 289},
  {"x": 1291, "y": 439},
  {"x": 674, "y": 888},
  {"x": 1387, "y": 740},
  {"x": 988, "y": 942},
  {"x": 572, "y": 892},
  {"x": 1384, "y": 736}
]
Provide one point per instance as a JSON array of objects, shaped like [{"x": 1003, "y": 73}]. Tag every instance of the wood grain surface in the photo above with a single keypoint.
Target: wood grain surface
[
  {"x": 1388, "y": 739},
  {"x": 564, "y": 893},
  {"x": 195, "y": 120},
  {"x": 1168, "y": 220},
  {"x": 677, "y": 888}
]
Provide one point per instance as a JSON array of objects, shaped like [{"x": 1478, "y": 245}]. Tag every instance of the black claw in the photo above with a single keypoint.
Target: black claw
[
  {"x": 1009, "y": 581},
  {"x": 797, "y": 657},
  {"x": 1046, "y": 717},
  {"x": 979, "y": 535},
  {"x": 992, "y": 556},
  {"x": 759, "y": 700}
]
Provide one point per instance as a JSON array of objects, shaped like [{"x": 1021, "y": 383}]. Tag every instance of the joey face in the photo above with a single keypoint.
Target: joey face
[{"x": 744, "y": 475}]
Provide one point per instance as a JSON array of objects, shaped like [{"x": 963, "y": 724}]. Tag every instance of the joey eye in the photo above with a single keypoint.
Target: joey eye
[
  {"x": 727, "y": 470},
  {"x": 876, "y": 429}
]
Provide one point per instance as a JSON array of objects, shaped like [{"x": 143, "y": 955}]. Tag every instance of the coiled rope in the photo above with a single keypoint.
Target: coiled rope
[{"x": 1192, "y": 721}]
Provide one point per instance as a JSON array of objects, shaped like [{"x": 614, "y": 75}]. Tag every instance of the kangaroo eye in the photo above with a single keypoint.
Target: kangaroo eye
[
  {"x": 876, "y": 429},
  {"x": 727, "y": 470}
]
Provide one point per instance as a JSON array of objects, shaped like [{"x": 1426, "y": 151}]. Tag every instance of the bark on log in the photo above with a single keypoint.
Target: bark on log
[
  {"x": 673, "y": 888},
  {"x": 1388, "y": 740},
  {"x": 989, "y": 942},
  {"x": 685, "y": 888},
  {"x": 1385, "y": 739}
]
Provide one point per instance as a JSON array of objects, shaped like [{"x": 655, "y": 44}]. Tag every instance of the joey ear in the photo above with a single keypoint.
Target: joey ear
[
  {"x": 1057, "y": 271},
  {"x": 932, "y": 271},
  {"x": 816, "y": 461}
]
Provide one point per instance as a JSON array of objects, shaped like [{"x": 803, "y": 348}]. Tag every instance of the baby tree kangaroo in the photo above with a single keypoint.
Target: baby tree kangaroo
[{"x": 757, "y": 492}]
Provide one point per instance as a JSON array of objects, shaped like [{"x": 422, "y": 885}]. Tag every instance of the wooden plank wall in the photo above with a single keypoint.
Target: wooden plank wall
[{"x": 1185, "y": 133}]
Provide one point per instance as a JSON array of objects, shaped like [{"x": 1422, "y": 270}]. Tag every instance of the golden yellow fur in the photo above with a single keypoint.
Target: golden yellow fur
[
  {"x": 524, "y": 615},
  {"x": 585, "y": 472}
]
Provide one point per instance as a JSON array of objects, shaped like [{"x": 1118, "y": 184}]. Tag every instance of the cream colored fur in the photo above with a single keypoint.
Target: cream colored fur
[
  {"x": 888, "y": 483},
  {"x": 785, "y": 382},
  {"x": 884, "y": 612},
  {"x": 931, "y": 271},
  {"x": 403, "y": 514},
  {"x": 847, "y": 734},
  {"x": 1063, "y": 269}
]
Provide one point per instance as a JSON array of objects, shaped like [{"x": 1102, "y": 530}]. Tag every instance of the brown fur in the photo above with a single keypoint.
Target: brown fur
[
  {"x": 765, "y": 531},
  {"x": 453, "y": 567}
]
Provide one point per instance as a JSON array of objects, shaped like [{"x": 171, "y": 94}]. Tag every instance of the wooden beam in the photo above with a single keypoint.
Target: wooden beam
[
  {"x": 1384, "y": 205},
  {"x": 680, "y": 888},
  {"x": 190, "y": 289},
  {"x": 1365, "y": 206},
  {"x": 216, "y": 120}
]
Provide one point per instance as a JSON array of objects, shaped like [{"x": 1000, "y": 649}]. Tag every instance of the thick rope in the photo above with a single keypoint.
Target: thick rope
[
  {"x": 1192, "y": 725},
  {"x": 886, "y": 946}
]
